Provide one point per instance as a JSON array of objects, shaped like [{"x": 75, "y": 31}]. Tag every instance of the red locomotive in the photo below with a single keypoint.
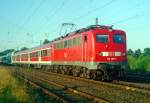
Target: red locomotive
[{"x": 97, "y": 52}]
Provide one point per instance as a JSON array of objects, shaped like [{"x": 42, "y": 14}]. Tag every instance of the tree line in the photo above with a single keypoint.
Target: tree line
[{"x": 139, "y": 61}]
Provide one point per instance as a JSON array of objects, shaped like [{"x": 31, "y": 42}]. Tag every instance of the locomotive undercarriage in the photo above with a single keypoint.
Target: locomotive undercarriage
[{"x": 104, "y": 72}]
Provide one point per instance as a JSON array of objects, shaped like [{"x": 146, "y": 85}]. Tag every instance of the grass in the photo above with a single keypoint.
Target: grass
[
  {"x": 14, "y": 90},
  {"x": 10, "y": 90}
]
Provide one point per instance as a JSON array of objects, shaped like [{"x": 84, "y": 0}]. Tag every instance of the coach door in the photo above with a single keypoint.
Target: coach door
[{"x": 84, "y": 48}]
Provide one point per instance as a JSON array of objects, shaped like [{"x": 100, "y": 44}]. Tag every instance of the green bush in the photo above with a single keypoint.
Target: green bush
[{"x": 140, "y": 64}]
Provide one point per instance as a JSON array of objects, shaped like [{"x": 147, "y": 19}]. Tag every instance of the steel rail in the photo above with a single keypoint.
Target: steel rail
[
  {"x": 117, "y": 85},
  {"x": 50, "y": 94},
  {"x": 82, "y": 94}
]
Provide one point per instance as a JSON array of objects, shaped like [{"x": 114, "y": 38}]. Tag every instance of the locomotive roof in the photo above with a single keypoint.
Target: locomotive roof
[{"x": 91, "y": 27}]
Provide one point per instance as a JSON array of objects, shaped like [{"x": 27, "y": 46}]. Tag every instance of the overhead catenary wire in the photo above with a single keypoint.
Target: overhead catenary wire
[
  {"x": 79, "y": 17},
  {"x": 138, "y": 15},
  {"x": 93, "y": 10},
  {"x": 33, "y": 13},
  {"x": 133, "y": 17},
  {"x": 55, "y": 12},
  {"x": 107, "y": 4}
]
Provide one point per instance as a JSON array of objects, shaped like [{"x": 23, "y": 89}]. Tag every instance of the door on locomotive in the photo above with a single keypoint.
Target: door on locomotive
[{"x": 84, "y": 48}]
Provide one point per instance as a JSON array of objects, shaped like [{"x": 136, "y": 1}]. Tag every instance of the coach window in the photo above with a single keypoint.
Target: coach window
[
  {"x": 48, "y": 52},
  {"x": 30, "y": 55},
  {"x": 101, "y": 38},
  {"x": 37, "y": 54},
  {"x": 41, "y": 53},
  {"x": 44, "y": 53}
]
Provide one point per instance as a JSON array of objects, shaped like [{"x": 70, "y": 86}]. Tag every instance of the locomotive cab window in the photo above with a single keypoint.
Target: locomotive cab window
[
  {"x": 101, "y": 38},
  {"x": 117, "y": 38}
]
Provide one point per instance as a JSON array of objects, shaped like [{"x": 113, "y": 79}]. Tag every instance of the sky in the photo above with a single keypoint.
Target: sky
[{"x": 26, "y": 23}]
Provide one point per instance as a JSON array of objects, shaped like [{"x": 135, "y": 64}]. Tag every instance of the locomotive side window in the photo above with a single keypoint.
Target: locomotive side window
[
  {"x": 65, "y": 44},
  {"x": 79, "y": 41},
  {"x": 69, "y": 43},
  {"x": 62, "y": 44},
  {"x": 74, "y": 41},
  {"x": 117, "y": 38},
  {"x": 102, "y": 38}
]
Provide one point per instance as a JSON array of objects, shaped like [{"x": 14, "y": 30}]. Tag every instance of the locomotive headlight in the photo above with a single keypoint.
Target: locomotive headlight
[
  {"x": 100, "y": 54},
  {"x": 123, "y": 54},
  {"x": 104, "y": 54}
]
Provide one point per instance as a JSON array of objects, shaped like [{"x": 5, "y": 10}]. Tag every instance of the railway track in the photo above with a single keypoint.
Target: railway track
[
  {"x": 113, "y": 92},
  {"x": 138, "y": 77},
  {"x": 119, "y": 84},
  {"x": 73, "y": 94},
  {"x": 44, "y": 90}
]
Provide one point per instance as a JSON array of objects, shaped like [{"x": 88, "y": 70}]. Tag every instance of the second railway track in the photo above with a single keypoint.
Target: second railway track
[
  {"x": 117, "y": 84},
  {"x": 112, "y": 92},
  {"x": 65, "y": 94}
]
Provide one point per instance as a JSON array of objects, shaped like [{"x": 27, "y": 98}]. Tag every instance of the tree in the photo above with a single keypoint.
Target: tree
[
  {"x": 146, "y": 52},
  {"x": 130, "y": 52},
  {"x": 46, "y": 41},
  {"x": 24, "y": 48},
  {"x": 6, "y": 52},
  {"x": 137, "y": 53}
]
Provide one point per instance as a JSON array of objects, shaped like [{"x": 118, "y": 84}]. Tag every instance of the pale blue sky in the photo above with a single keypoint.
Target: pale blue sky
[{"x": 27, "y": 22}]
